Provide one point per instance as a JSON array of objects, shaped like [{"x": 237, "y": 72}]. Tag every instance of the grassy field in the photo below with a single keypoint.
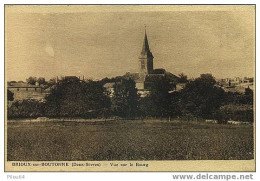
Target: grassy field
[{"x": 128, "y": 140}]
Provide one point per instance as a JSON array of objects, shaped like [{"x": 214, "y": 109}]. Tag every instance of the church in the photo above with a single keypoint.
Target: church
[
  {"x": 146, "y": 70},
  {"x": 146, "y": 74}
]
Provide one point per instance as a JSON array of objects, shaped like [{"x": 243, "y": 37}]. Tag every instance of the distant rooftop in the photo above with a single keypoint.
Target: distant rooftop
[{"x": 20, "y": 85}]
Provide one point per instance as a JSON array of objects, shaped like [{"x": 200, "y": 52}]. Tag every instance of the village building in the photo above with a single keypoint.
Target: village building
[
  {"x": 22, "y": 90},
  {"x": 236, "y": 84},
  {"x": 110, "y": 88}
]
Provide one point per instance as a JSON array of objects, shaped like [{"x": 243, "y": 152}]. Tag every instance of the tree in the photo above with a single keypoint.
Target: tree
[
  {"x": 125, "y": 99},
  {"x": 157, "y": 103},
  {"x": 240, "y": 98},
  {"x": 10, "y": 95},
  {"x": 183, "y": 78},
  {"x": 50, "y": 83},
  {"x": 202, "y": 97},
  {"x": 72, "y": 97},
  {"x": 41, "y": 80},
  {"x": 31, "y": 80},
  {"x": 248, "y": 96},
  {"x": 96, "y": 98}
]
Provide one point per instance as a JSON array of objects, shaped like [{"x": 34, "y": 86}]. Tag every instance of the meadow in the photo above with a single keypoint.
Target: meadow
[{"x": 128, "y": 140}]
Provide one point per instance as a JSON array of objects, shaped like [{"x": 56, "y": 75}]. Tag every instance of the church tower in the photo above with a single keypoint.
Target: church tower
[{"x": 146, "y": 58}]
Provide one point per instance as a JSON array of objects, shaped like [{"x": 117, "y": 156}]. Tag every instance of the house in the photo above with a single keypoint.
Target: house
[
  {"x": 110, "y": 88},
  {"x": 236, "y": 84},
  {"x": 24, "y": 90}
]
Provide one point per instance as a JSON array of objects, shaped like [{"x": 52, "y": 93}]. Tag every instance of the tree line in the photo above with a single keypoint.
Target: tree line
[{"x": 201, "y": 98}]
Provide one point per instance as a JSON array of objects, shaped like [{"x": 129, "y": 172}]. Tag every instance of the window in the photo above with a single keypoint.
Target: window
[
  {"x": 26, "y": 89},
  {"x": 142, "y": 64},
  {"x": 35, "y": 89},
  {"x": 17, "y": 89}
]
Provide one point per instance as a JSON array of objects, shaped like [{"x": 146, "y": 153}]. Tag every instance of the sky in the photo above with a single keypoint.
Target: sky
[{"x": 105, "y": 41}]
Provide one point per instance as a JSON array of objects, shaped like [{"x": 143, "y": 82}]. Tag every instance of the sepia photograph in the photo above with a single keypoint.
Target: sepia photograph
[{"x": 130, "y": 87}]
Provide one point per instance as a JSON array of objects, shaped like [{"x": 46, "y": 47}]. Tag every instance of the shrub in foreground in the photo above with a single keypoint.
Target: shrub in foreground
[
  {"x": 26, "y": 109},
  {"x": 242, "y": 112}
]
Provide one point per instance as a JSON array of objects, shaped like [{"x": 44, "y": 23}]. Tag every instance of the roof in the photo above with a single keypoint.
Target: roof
[
  {"x": 145, "y": 49},
  {"x": 109, "y": 85},
  {"x": 152, "y": 77},
  {"x": 159, "y": 71},
  {"x": 21, "y": 85}
]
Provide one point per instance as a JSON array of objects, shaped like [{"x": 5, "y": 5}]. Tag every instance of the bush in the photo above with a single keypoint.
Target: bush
[
  {"x": 243, "y": 113},
  {"x": 10, "y": 95},
  {"x": 26, "y": 109}
]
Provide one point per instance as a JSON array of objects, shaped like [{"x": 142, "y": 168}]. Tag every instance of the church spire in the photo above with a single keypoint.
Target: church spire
[
  {"x": 145, "y": 48},
  {"x": 146, "y": 57}
]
